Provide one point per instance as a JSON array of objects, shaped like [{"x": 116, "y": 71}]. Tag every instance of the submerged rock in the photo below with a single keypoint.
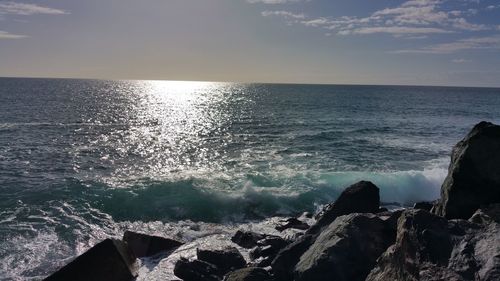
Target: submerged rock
[
  {"x": 225, "y": 260},
  {"x": 196, "y": 270},
  {"x": 361, "y": 197},
  {"x": 345, "y": 250},
  {"x": 109, "y": 260},
  {"x": 473, "y": 176},
  {"x": 249, "y": 274},
  {"x": 143, "y": 245}
]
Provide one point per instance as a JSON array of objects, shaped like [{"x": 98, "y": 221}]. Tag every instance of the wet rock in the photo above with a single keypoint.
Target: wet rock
[
  {"x": 473, "y": 176},
  {"x": 286, "y": 259},
  {"x": 247, "y": 239},
  {"x": 423, "y": 206},
  {"x": 292, "y": 223},
  {"x": 196, "y": 270},
  {"x": 249, "y": 274},
  {"x": 345, "y": 250},
  {"x": 109, "y": 260},
  {"x": 487, "y": 215},
  {"x": 361, "y": 197},
  {"x": 143, "y": 245},
  {"x": 225, "y": 260},
  {"x": 268, "y": 247}
]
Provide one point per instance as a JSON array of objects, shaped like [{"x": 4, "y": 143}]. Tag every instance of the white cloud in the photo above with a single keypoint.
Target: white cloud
[
  {"x": 23, "y": 9},
  {"x": 7, "y": 35},
  {"x": 488, "y": 42},
  {"x": 284, "y": 14},
  {"x": 396, "y": 30},
  {"x": 459, "y": 60},
  {"x": 410, "y": 18}
]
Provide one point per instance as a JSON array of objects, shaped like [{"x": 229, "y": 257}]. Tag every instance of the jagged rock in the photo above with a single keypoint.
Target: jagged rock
[
  {"x": 391, "y": 218},
  {"x": 249, "y": 274},
  {"x": 143, "y": 245},
  {"x": 292, "y": 223},
  {"x": 473, "y": 176},
  {"x": 285, "y": 261},
  {"x": 423, "y": 206},
  {"x": 196, "y": 270},
  {"x": 487, "y": 215},
  {"x": 225, "y": 260},
  {"x": 429, "y": 247},
  {"x": 345, "y": 250},
  {"x": 361, "y": 197},
  {"x": 268, "y": 247},
  {"x": 109, "y": 260},
  {"x": 422, "y": 238},
  {"x": 247, "y": 239}
]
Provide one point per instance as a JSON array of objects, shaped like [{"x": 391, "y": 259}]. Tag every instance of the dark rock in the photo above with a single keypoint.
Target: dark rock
[
  {"x": 249, "y": 274},
  {"x": 422, "y": 238},
  {"x": 109, "y": 260},
  {"x": 196, "y": 270},
  {"x": 292, "y": 223},
  {"x": 487, "y": 215},
  {"x": 361, "y": 197},
  {"x": 423, "y": 206},
  {"x": 143, "y": 245},
  {"x": 345, "y": 250},
  {"x": 268, "y": 248},
  {"x": 247, "y": 239},
  {"x": 225, "y": 260},
  {"x": 285, "y": 261},
  {"x": 391, "y": 218},
  {"x": 473, "y": 176},
  {"x": 382, "y": 210}
]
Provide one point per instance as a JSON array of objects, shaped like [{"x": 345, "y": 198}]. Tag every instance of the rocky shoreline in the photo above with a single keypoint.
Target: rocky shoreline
[{"x": 353, "y": 238}]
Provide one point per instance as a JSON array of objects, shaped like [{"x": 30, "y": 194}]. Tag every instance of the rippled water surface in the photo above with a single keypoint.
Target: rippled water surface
[{"x": 81, "y": 160}]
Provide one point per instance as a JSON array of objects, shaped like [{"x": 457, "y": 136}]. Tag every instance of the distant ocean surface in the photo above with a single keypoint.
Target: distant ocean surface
[{"x": 81, "y": 160}]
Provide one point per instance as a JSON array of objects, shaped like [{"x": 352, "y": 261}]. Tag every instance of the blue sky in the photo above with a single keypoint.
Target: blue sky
[{"x": 416, "y": 42}]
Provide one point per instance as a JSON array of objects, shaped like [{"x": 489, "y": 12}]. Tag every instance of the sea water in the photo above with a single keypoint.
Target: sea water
[{"x": 82, "y": 160}]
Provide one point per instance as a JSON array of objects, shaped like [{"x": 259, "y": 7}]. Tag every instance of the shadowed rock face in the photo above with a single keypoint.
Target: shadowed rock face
[
  {"x": 430, "y": 248},
  {"x": 474, "y": 174},
  {"x": 196, "y": 270},
  {"x": 249, "y": 274},
  {"x": 345, "y": 250},
  {"x": 225, "y": 260},
  {"x": 361, "y": 197},
  {"x": 143, "y": 245},
  {"x": 110, "y": 260}
]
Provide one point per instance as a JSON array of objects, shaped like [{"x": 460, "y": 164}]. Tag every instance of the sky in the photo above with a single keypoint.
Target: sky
[{"x": 416, "y": 42}]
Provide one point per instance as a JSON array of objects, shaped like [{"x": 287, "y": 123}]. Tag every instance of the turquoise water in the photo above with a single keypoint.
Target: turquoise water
[{"x": 81, "y": 160}]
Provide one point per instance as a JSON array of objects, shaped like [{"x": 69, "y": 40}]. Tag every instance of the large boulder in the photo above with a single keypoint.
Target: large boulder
[
  {"x": 225, "y": 259},
  {"x": 361, "y": 197},
  {"x": 266, "y": 250},
  {"x": 196, "y": 270},
  {"x": 345, "y": 250},
  {"x": 430, "y": 248},
  {"x": 249, "y": 274},
  {"x": 473, "y": 176},
  {"x": 283, "y": 265},
  {"x": 143, "y": 245},
  {"x": 109, "y": 260}
]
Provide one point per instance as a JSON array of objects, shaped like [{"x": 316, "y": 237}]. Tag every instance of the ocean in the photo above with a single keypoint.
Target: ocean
[{"x": 82, "y": 160}]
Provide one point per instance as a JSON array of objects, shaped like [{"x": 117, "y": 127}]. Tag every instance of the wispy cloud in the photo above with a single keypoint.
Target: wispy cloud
[
  {"x": 408, "y": 19},
  {"x": 459, "y": 60},
  {"x": 7, "y": 35},
  {"x": 395, "y": 30},
  {"x": 15, "y": 8},
  {"x": 284, "y": 14},
  {"x": 487, "y": 42}
]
